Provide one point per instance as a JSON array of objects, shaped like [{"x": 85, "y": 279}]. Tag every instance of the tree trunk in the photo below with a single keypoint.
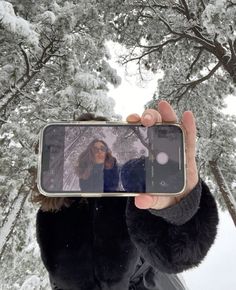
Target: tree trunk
[
  {"x": 225, "y": 190},
  {"x": 11, "y": 218}
]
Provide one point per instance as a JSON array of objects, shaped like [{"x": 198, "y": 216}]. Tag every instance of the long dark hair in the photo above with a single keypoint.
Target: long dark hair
[
  {"x": 86, "y": 159},
  {"x": 55, "y": 203}
]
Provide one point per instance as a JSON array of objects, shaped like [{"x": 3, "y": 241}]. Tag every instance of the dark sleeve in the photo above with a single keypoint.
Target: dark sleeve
[
  {"x": 111, "y": 178},
  {"x": 176, "y": 238}
]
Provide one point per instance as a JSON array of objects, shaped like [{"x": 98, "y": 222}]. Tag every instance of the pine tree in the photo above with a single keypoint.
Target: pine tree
[
  {"x": 54, "y": 66},
  {"x": 193, "y": 44}
]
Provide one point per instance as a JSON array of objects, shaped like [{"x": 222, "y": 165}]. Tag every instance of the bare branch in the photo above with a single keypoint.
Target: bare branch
[
  {"x": 194, "y": 62},
  {"x": 206, "y": 77},
  {"x": 31, "y": 99},
  {"x": 3, "y": 121},
  {"x": 40, "y": 119},
  {"x": 231, "y": 4},
  {"x": 185, "y": 5},
  {"x": 208, "y": 45},
  {"x": 25, "y": 58},
  {"x": 183, "y": 88},
  {"x": 152, "y": 49},
  {"x": 161, "y": 44},
  {"x": 232, "y": 50},
  {"x": 56, "y": 55},
  {"x": 176, "y": 7},
  {"x": 203, "y": 4}
]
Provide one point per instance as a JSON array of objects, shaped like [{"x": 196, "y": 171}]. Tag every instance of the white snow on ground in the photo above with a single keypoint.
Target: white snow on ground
[{"x": 217, "y": 271}]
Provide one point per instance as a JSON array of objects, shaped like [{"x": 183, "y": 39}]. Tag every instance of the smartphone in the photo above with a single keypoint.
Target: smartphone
[{"x": 111, "y": 159}]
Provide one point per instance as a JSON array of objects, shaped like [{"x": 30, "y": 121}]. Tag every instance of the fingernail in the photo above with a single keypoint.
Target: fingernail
[{"x": 147, "y": 117}]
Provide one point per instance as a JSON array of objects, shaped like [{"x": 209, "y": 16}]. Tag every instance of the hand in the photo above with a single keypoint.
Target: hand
[{"x": 165, "y": 113}]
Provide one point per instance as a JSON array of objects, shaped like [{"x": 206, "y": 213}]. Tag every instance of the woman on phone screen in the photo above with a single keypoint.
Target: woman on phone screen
[{"x": 97, "y": 168}]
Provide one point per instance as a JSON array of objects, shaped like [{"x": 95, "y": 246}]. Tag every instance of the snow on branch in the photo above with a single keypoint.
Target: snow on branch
[
  {"x": 25, "y": 58},
  {"x": 153, "y": 48},
  {"x": 11, "y": 218},
  {"x": 16, "y": 24},
  {"x": 183, "y": 88}
]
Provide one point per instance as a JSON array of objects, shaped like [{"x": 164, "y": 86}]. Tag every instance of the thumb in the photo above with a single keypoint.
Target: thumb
[{"x": 144, "y": 201}]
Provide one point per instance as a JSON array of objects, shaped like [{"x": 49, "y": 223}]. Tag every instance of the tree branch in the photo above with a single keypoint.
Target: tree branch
[
  {"x": 161, "y": 44},
  {"x": 194, "y": 62},
  {"x": 185, "y": 87},
  {"x": 203, "y": 4},
  {"x": 152, "y": 49},
  {"x": 204, "y": 42},
  {"x": 232, "y": 50},
  {"x": 185, "y": 5},
  {"x": 206, "y": 77},
  {"x": 176, "y": 7},
  {"x": 25, "y": 58}
]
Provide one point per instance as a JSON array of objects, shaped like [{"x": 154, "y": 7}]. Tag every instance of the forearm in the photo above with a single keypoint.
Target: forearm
[{"x": 179, "y": 237}]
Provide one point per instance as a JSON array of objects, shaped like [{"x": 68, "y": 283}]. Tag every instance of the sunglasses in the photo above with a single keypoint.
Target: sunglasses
[{"x": 97, "y": 149}]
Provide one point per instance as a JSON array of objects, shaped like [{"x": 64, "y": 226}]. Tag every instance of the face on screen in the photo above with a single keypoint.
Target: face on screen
[{"x": 99, "y": 150}]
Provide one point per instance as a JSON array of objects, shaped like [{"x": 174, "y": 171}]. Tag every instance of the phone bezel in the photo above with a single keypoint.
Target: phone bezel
[{"x": 110, "y": 194}]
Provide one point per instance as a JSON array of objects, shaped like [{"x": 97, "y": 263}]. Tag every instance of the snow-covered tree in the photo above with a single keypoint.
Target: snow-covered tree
[
  {"x": 53, "y": 66},
  {"x": 193, "y": 43}
]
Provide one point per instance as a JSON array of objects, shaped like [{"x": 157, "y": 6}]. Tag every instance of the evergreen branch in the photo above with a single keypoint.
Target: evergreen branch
[
  {"x": 14, "y": 92},
  {"x": 197, "y": 37},
  {"x": 195, "y": 29},
  {"x": 162, "y": 19}
]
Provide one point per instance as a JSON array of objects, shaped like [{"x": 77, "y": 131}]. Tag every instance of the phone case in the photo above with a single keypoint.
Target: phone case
[{"x": 103, "y": 194}]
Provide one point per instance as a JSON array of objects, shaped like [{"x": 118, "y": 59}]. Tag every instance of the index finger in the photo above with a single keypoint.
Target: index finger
[
  {"x": 167, "y": 112},
  {"x": 133, "y": 118}
]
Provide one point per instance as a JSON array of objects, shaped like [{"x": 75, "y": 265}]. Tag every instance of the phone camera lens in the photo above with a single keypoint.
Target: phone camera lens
[
  {"x": 162, "y": 158},
  {"x": 163, "y": 183}
]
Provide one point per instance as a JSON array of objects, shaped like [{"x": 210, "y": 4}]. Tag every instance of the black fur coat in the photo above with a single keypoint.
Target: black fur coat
[{"x": 108, "y": 243}]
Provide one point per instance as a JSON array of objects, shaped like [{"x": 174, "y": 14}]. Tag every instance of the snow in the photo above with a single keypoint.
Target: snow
[
  {"x": 6, "y": 228},
  {"x": 217, "y": 271},
  {"x": 49, "y": 17},
  {"x": 16, "y": 24},
  {"x": 31, "y": 283}
]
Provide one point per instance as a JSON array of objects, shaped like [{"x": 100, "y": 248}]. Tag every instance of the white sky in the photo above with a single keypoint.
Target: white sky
[{"x": 217, "y": 271}]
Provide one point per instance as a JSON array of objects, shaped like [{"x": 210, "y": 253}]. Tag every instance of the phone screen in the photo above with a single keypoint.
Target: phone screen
[{"x": 103, "y": 158}]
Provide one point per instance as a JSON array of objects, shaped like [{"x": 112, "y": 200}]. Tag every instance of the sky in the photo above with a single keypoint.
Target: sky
[{"x": 217, "y": 270}]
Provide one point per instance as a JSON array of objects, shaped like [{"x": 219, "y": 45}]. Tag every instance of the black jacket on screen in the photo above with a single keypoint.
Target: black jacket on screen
[
  {"x": 109, "y": 244},
  {"x": 101, "y": 179}
]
